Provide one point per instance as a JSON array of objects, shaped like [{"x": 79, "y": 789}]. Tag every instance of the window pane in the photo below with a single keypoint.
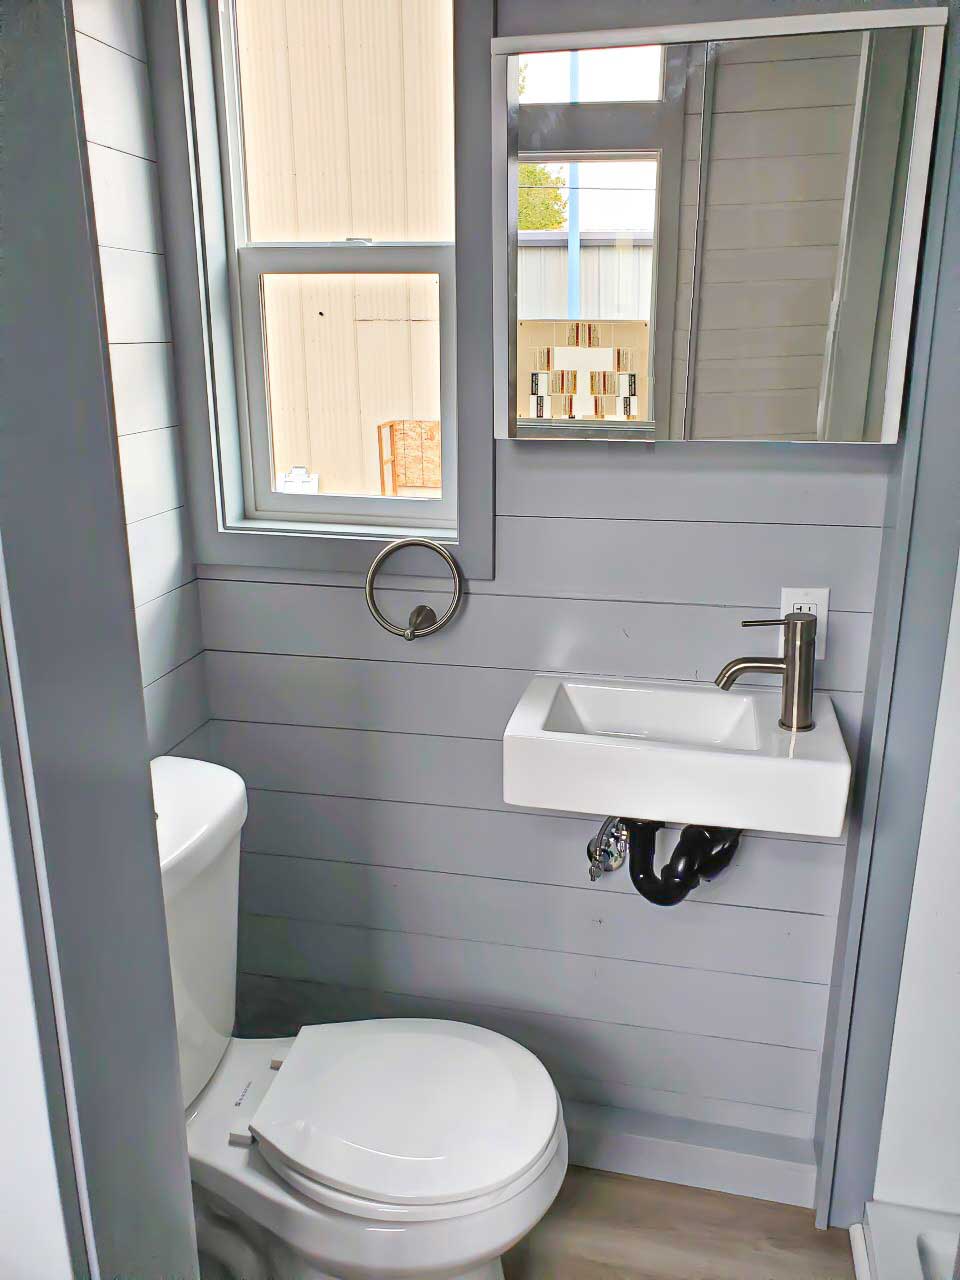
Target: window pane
[
  {"x": 585, "y": 268},
  {"x": 593, "y": 75},
  {"x": 353, "y": 383},
  {"x": 347, "y": 118}
]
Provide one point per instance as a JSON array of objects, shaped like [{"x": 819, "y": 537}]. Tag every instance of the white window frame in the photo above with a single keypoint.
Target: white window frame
[{"x": 247, "y": 262}]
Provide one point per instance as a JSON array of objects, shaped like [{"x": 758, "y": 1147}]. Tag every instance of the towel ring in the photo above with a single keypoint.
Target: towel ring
[{"x": 422, "y": 621}]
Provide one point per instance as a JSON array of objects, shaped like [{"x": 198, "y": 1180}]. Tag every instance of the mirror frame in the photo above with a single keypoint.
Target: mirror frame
[{"x": 505, "y": 133}]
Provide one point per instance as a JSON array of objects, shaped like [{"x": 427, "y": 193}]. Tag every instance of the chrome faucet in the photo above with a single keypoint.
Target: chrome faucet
[{"x": 796, "y": 667}]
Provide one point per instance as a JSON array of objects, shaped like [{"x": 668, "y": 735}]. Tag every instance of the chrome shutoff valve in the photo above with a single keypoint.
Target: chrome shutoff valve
[{"x": 608, "y": 848}]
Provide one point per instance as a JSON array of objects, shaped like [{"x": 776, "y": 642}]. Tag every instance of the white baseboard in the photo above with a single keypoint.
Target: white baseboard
[
  {"x": 693, "y": 1153},
  {"x": 858, "y": 1247}
]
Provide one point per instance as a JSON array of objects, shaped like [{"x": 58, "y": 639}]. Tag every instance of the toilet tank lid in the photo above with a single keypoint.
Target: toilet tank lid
[{"x": 200, "y": 807}]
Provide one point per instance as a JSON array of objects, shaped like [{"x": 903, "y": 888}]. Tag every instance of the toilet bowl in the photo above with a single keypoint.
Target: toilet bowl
[{"x": 381, "y": 1148}]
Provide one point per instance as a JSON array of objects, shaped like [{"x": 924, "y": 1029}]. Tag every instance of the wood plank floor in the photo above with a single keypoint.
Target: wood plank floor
[{"x": 607, "y": 1227}]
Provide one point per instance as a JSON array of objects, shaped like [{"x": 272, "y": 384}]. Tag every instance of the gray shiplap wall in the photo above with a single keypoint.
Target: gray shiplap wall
[
  {"x": 382, "y": 871},
  {"x": 123, "y": 171}
]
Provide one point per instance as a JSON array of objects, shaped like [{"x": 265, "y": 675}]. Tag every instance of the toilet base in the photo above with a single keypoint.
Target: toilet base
[{"x": 231, "y": 1249}]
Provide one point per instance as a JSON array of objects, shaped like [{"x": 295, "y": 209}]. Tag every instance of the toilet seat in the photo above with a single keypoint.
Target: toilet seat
[{"x": 408, "y": 1119}]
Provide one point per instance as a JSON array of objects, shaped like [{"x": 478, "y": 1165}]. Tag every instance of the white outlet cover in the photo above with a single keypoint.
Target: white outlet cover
[{"x": 807, "y": 600}]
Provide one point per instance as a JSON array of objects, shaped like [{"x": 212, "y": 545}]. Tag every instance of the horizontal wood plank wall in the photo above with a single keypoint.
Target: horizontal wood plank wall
[
  {"x": 384, "y": 875},
  {"x": 119, "y": 128},
  {"x": 775, "y": 181}
]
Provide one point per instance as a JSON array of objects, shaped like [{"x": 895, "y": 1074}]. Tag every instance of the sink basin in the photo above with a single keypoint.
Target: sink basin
[{"x": 675, "y": 753}]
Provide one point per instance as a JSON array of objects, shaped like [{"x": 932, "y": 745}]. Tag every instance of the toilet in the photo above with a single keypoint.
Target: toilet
[{"x": 402, "y": 1147}]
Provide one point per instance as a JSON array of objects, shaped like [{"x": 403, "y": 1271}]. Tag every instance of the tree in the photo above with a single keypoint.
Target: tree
[
  {"x": 540, "y": 206},
  {"x": 540, "y": 203}
]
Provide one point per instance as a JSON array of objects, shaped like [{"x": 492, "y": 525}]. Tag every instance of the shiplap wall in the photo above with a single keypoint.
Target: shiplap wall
[
  {"x": 383, "y": 874},
  {"x": 123, "y": 171},
  {"x": 780, "y": 142},
  {"x": 382, "y": 871}
]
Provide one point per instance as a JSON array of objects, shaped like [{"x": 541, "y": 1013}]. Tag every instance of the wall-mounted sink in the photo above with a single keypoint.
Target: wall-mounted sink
[{"x": 675, "y": 753}]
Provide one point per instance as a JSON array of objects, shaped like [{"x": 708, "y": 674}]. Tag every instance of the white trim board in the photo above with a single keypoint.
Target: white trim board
[
  {"x": 858, "y": 1247},
  {"x": 692, "y": 1153},
  {"x": 891, "y": 1235},
  {"x": 739, "y": 29}
]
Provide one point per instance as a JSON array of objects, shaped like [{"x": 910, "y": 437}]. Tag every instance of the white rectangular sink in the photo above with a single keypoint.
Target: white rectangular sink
[{"x": 675, "y": 753}]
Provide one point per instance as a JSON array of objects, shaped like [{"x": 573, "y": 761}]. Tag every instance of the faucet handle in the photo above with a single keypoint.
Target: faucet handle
[{"x": 807, "y": 622}]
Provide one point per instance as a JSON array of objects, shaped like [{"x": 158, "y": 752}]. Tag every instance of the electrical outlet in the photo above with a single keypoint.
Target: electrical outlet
[{"x": 807, "y": 600}]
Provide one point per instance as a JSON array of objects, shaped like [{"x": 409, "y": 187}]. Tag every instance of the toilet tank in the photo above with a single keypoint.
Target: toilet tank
[{"x": 200, "y": 809}]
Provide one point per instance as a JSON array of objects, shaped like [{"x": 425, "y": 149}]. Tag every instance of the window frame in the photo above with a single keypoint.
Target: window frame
[
  {"x": 197, "y": 155},
  {"x": 251, "y": 258},
  {"x": 583, "y": 131}
]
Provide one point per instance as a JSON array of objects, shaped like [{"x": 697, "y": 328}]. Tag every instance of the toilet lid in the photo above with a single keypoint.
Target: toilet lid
[{"x": 407, "y": 1110}]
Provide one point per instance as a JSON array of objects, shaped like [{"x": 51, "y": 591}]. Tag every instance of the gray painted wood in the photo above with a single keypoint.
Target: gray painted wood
[
  {"x": 143, "y": 391},
  {"x": 150, "y": 469},
  {"x": 723, "y": 564},
  {"x": 385, "y": 766},
  {"x": 135, "y": 294},
  {"x": 825, "y": 485},
  {"x": 533, "y": 17},
  {"x": 732, "y": 1070},
  {"x": 729, "y": 565},
  {"x": 383, "y": 873},
  {"x": 395, "y": 697},
  {"x": 723, "y": 1005},
  {"x": 80, "y": 720},
  {"x": 176, "y": 707},
  {"x": 677, "y": 642},
  {"x": 160, "y": 554},
  {"x": 168, "y": 630},
  {"x": 781, "y": 874},
  {"x": 125, "y": 200},
  {"x": 116, "y": 98},
  {"x": 799, "y": 132},
  {"x": 113, "y": 22},
  {"x": 776, "y": 83},
  {"x": 694, "y": 935},
  {"x": 124, "y": 180}
]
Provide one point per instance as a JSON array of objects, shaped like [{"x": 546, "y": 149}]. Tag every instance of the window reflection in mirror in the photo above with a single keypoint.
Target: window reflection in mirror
[
  {"x": 596, "y": 207},
  {"x": 719, "y": 241}
]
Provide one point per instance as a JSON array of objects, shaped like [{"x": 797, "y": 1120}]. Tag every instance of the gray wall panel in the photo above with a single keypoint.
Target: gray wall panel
[
  {"x": 70, "y": 692},
  {"x": 603, "y": 989},
  {"x": 782, "y": 874},
  {"x": 693, "y": 935},
  {"x": 119, "y": 127},
  {"x": 375, "y": 766},
  {"x": 687, "y": 562},
  {"x": 673, "y": 642}
]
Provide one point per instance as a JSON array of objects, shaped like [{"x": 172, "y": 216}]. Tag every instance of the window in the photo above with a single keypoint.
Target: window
[
  {"x": 337, "y": 145},
  {"x": 593, "y": 226}
]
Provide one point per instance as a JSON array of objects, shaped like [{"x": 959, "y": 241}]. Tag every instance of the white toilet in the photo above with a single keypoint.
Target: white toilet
[{"x": 403, "y": 1147}]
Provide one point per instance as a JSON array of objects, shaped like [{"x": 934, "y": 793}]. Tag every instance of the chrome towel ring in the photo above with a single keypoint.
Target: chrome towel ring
[{"x": 422, "y": 621}]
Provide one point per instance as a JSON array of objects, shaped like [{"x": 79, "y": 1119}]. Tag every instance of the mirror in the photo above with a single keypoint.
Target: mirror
[{"x": 715, "y": 241}]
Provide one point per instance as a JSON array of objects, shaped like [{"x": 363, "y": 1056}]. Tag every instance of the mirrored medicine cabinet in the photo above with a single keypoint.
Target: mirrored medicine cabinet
[{"x": 711, "y": 238}]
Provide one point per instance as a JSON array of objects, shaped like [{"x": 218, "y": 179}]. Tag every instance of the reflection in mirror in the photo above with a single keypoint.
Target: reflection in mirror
[
  {"x": 805, "y": 153},
  {"x": 713, "y": 241},
  {"x": 596, "y": 207}
]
